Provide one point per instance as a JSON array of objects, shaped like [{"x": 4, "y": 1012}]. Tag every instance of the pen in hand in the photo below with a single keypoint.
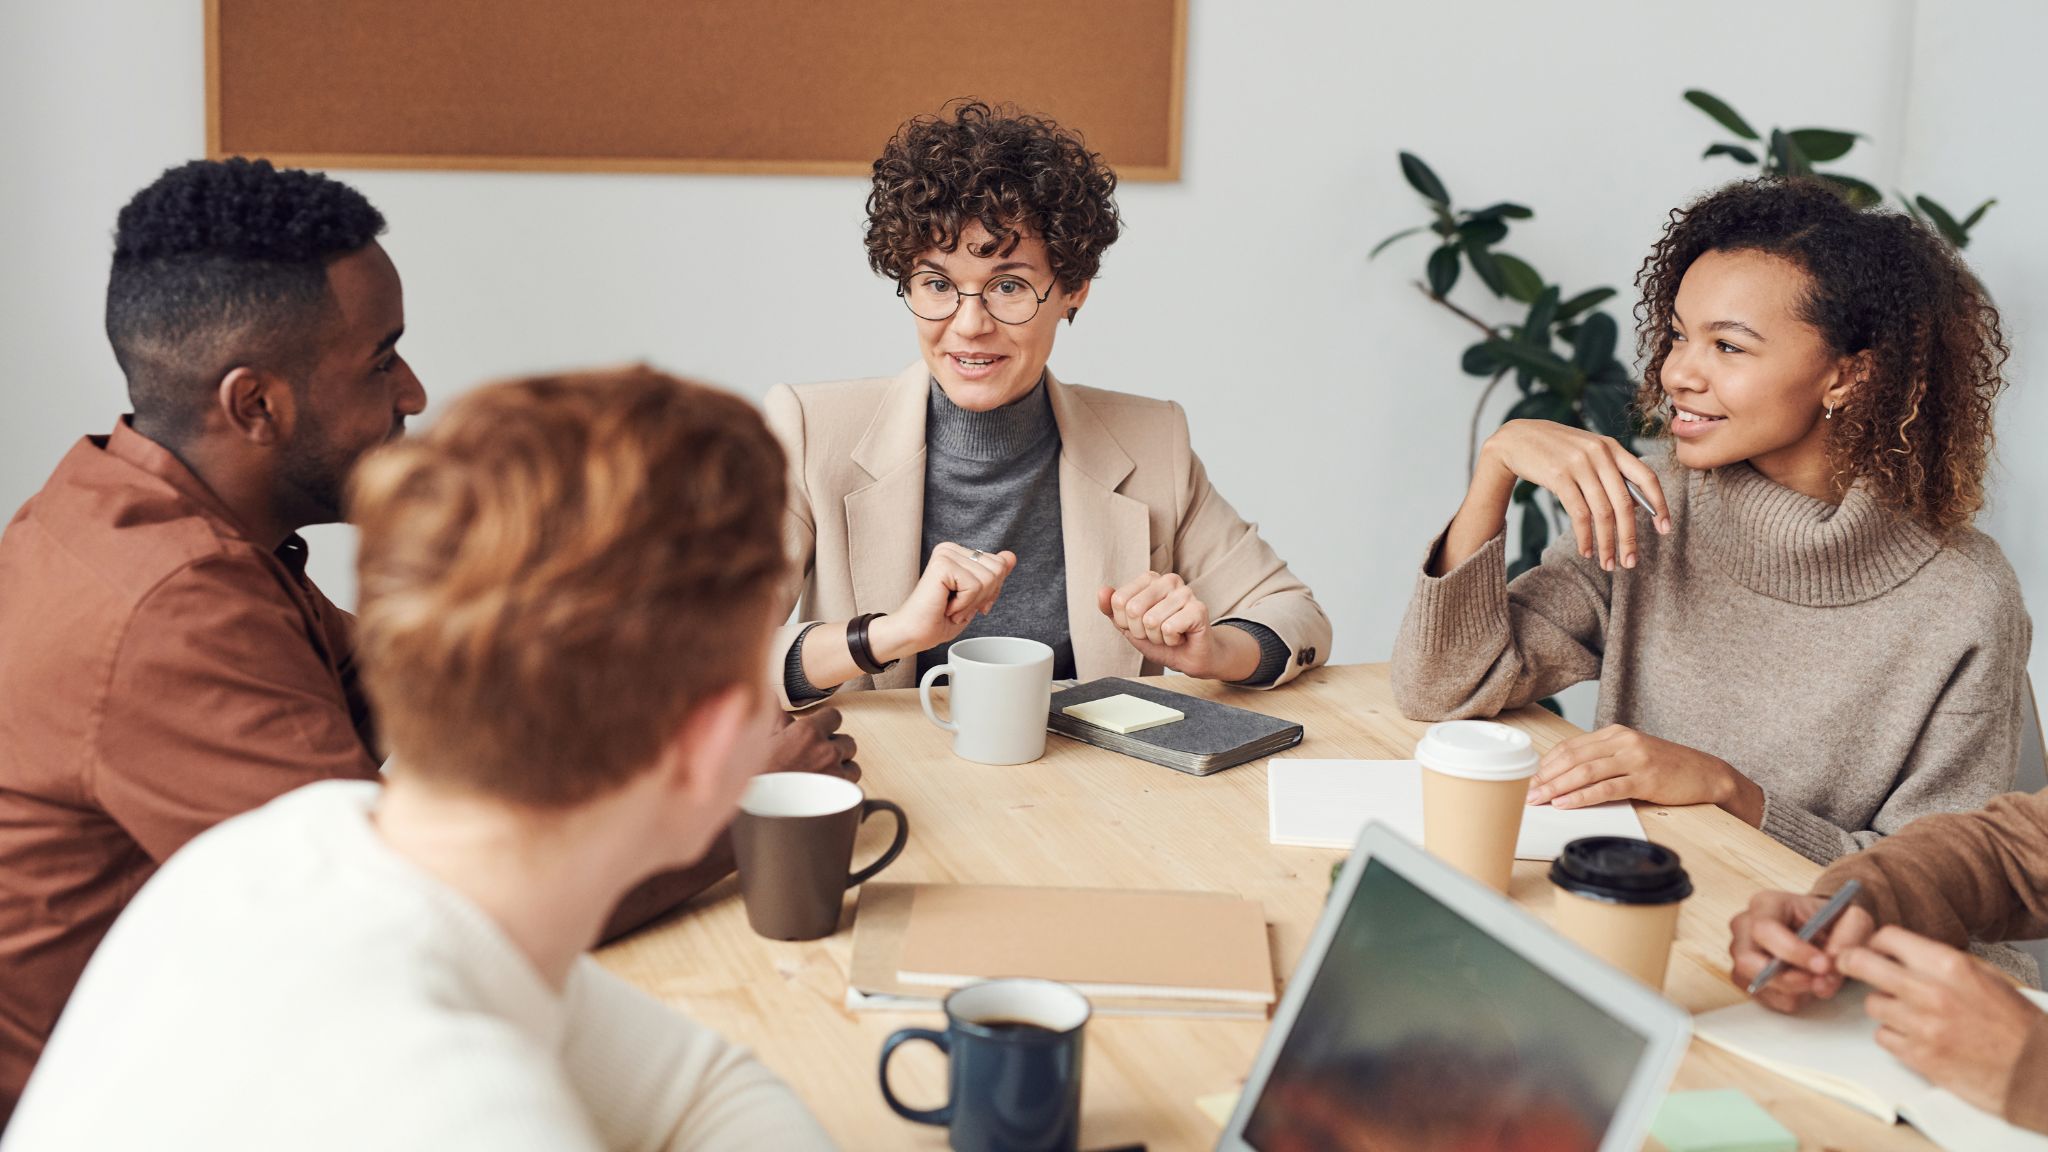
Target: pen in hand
[
  {"x": 1814, "y": 926},
  {"x": 1641, "y": 500}
]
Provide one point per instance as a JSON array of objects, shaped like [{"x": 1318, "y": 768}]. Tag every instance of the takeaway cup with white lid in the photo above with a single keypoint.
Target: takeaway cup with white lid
[{"x": 1475, "y": 784}]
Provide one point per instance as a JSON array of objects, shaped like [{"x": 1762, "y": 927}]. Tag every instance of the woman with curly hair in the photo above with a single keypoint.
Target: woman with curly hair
[
  {"x": 977, "y": 494},
  {"x": 1813, "y": 638}
]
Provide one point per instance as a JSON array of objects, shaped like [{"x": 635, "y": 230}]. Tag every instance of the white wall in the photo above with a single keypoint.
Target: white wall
[
  {"x": 1324, "y": 392},
  {"x": 1973, "y": 130}
]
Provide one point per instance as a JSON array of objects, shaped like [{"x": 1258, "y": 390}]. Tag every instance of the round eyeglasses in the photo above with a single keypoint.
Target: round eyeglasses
[{"x": 1008, "y": 299}]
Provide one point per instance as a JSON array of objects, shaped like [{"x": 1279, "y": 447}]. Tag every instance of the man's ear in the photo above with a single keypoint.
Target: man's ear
[
  {"x": 258, "y": 405},
  {"x": 700, "y": 754}
]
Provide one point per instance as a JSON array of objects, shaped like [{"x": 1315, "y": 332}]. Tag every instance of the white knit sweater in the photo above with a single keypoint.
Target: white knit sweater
[{"x": 288, "y": 981}]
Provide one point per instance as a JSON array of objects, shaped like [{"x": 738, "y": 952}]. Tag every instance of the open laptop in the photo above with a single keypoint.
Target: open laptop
[{"x": 1430, "y": 1013}]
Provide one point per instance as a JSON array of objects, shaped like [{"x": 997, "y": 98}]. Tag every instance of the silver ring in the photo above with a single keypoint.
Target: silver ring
[{"x": 976, "y": 552}]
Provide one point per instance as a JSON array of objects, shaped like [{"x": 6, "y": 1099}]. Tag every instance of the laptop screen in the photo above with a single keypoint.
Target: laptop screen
[{"x": 1422, "y": 1033}]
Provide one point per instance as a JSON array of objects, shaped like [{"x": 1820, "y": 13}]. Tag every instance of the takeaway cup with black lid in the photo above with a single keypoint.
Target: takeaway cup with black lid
[
  {"x": 1475, "y": 784},
  {"x": 1618, "y": 898}
]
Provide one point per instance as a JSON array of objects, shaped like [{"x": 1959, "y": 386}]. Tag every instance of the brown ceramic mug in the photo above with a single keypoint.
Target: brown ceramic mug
[{"x": 794, "y": 840}]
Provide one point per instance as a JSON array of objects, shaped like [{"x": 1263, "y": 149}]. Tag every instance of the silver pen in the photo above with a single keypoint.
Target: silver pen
[
  {"x": 1640, "y": 498},
  {"x": 1814, "y": 926}
]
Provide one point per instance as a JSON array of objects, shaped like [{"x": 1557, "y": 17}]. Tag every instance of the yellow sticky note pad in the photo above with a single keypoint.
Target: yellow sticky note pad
[{"x": 1123, "y": 713}]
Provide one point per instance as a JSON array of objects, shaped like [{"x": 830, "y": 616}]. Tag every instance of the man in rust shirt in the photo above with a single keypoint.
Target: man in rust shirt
[{"x": 164, "y": 661}]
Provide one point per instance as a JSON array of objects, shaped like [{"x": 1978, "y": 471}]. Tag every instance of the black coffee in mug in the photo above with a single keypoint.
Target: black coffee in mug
[
  {"x": 1014, "y": 1067},
  {"x": 1015, "y": 1028}
]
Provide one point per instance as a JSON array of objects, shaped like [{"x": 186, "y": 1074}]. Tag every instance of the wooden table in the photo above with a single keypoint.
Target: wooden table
[{"x": 1088, "y": 818}]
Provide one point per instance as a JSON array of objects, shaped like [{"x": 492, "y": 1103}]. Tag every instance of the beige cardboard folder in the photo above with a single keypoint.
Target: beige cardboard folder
[
  {"x": 1104, "y": 941},
  {"x": 872, "y": 986}
]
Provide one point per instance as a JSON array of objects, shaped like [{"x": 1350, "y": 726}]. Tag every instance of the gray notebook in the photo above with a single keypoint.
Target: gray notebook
[{"x": 1210, "y": 737}]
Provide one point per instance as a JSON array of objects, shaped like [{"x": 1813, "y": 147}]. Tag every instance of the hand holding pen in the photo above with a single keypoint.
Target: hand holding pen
[{"x": 1786, "y": 953}]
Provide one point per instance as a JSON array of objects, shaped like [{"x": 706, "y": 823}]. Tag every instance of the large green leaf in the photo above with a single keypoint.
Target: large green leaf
[
  {"x": 1542, "y": 314},
  {"x": 1423, "y": 180},
  {"x": 1786, "y": 157},
  {"x": 1613, "y": 372},
  {"x": 1484, "y": 263},
  {"x": 1505, "y": 209},
  {"x": 1488, "y": 231},
  {"x": 1523, "y": 282},
  {"x": 1443, "y": 270},
  {"x": 1541, "y": 363},
  {"x": 1820, "y": 145},
  {"x": 1479, "y": 360},
  {"x": 1405, "y": 232},
  {"x": 1583, "y": 301},
  {"x": 1856, "y": 192},
  {"x": 1535, "y": 538},
  {"x": 1970, "y": 221},
  {"x": 1543, "y": 406},
  {"x": 1943, "y": 222},
  {"x": 1594, "y": 345},
  {"x": 1713, "y": 106},
  {"x": 1735, "y": 150},
  {"x": 1607, "y": 406}
]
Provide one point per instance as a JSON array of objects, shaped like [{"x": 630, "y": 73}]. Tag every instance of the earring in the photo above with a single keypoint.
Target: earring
[
  {"x": 1071, "y": 312},
  {"x": 1830, "y": 414}
]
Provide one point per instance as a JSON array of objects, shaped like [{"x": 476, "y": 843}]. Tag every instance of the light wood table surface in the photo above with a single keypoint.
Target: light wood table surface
[{"x": 1084, "y": 817}]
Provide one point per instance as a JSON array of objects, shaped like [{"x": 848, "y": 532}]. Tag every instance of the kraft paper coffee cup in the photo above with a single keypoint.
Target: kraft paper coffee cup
[
  {"x": 1475, "y": 785},
  {"x": 1619, "y": 899}
]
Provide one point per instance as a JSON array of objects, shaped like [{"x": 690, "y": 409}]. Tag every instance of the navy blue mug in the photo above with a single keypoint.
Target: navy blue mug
[{"x": 1014, "y": 1074}]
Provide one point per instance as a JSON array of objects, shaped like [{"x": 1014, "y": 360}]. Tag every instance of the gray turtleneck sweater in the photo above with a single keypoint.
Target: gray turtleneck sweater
[
  {"x": 1859, "y": 670},
  {"x": 992, "y": 481}
]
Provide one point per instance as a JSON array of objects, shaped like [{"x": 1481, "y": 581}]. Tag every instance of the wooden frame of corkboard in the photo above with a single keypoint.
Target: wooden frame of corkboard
[{"x": 788, "y": 87}]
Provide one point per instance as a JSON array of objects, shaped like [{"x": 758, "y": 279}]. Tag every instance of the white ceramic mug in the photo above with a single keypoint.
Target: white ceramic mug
[{"x": 1002, "y": 691}]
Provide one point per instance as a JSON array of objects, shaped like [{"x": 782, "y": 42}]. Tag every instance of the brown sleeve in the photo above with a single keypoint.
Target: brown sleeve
[
  {"x": 219, "y": 701},
  {"x": 1959, "y": 876},
  {"x": 1472, "y": 644},
  {"x": 2026, "y": 1097},
  {"x": 1239, "y": 576}
]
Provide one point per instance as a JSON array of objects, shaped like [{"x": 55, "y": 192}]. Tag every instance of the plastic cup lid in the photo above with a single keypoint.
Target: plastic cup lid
[
  {"x": 1621, "y": 870},
  {"x": 1477, "y": 750}
]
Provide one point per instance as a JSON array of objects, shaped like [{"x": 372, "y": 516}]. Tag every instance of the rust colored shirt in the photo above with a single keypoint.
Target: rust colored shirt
[{"x": 159, "y": 672}]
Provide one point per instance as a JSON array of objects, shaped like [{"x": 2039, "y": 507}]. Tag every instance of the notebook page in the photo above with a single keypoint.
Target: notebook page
[{"x": 1325, "y": 803}]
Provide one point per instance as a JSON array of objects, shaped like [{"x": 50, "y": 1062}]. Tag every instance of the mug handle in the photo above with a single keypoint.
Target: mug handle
[
  {"x": 924, "y": 695},
  {"x": 941, "y": 1115},
  {"x": 869, "y": 808}
]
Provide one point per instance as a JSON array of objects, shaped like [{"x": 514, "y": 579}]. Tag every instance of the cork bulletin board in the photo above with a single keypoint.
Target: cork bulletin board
[{"x": 771, "y": 86}]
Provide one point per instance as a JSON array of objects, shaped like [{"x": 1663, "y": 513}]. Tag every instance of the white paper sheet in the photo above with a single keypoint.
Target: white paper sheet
[{"x": 1325, "y": 804}]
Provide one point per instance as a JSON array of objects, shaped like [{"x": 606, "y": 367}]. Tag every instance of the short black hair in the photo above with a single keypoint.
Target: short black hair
[{"x": 220, "y": 264}]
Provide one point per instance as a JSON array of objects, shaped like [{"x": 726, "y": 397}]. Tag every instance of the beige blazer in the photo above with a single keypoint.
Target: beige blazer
[{"x": 1133, "y": 497}]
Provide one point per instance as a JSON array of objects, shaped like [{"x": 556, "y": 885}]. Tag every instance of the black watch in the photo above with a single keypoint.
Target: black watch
[{"x": 857, "y": 644}]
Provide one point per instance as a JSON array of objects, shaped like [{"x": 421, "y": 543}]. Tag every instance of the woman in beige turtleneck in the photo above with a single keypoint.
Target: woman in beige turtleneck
[{"x": 1808, "y": 633}]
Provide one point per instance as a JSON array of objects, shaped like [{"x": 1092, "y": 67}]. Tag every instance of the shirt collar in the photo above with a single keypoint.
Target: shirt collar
[{"x": 136, "y": 450}]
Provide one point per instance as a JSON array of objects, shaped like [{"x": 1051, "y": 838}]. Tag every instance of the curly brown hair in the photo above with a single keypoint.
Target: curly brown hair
[
  {"x": 1013, "y": 172},
  {"x": 1917, "y": 429}
]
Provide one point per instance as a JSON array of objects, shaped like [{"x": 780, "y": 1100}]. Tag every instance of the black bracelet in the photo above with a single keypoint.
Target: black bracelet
[{"x": 857, "y": 644}]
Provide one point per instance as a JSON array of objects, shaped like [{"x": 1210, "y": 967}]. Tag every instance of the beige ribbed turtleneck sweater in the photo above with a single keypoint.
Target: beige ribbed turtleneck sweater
[{"x": 1843, "y": 658}]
